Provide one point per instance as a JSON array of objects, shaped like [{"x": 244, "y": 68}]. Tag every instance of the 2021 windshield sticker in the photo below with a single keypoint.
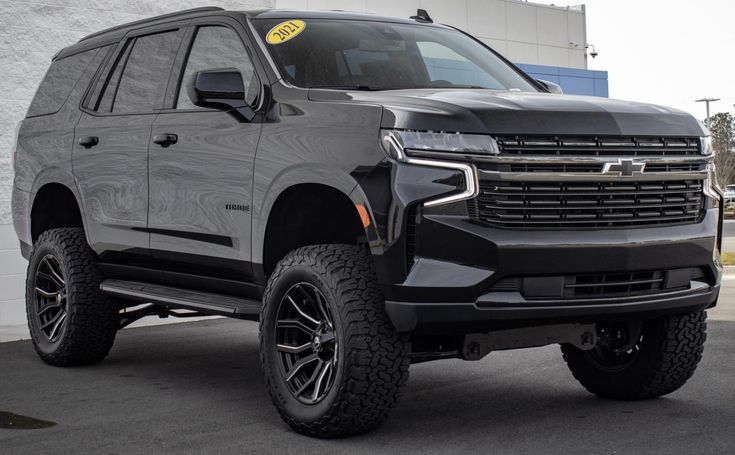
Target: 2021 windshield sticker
[{"x": 285, "y": 31}]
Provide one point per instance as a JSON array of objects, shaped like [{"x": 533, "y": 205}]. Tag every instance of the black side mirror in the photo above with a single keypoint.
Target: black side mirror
[
  {"x": 551, "y": 86},
  {"x": 221, "y": 89}
]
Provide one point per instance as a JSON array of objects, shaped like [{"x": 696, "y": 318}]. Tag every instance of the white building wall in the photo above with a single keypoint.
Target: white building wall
[
  {"x": 31, "y": 32},
  {"x": 523, "y": 32}
]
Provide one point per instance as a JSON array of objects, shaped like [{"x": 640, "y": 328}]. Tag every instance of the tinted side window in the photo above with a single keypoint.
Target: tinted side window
[
  {"x": 217, "y": 47},
  {"x": 139, "y": 79},
  {"x": 58, "y": 83},
  {"x": 113, "y": 80}
]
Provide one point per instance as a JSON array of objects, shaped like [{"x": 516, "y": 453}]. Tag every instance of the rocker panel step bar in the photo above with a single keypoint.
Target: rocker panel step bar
[{"x": 203, "y": 302}]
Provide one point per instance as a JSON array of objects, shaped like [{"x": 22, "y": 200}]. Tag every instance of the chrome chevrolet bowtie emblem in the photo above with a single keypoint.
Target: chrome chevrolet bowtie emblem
[{"x": 624, "y": 168}]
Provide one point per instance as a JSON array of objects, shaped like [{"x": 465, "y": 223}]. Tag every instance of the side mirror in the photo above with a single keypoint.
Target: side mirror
[
  {"x": 221, "y": 89},
  {"x": 551, "y": 87}
]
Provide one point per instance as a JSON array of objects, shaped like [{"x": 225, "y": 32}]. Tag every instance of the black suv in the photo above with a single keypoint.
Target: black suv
[{"x": 375, "y": 191}]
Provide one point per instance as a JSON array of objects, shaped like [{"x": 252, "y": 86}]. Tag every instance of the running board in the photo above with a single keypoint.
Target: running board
[{"x": 204, "y": 302}]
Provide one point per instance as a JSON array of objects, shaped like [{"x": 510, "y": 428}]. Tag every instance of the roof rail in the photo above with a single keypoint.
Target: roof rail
[{"x": 155, "y": 18}]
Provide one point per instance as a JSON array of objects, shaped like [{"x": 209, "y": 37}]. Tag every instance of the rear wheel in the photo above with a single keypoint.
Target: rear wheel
[
  {"x": 640, "y": 360},
  {"x": 331, "y": 358},
  {"x": 70, "y": 320}
]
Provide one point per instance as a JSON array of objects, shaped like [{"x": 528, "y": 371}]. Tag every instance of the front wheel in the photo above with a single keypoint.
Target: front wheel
[
  {"x": 640, "y": 360},
  {"x": 331, "y": 358}
]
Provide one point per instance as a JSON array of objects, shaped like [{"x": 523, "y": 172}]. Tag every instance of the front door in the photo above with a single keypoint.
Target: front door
[{"x": 201, "y": 168}]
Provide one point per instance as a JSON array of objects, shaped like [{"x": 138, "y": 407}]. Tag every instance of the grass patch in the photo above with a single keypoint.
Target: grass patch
[{"x": 728, "y": 258}]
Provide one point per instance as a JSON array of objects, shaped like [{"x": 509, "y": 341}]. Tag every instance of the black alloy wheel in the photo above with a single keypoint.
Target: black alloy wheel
[
  {"x": 50, "y": 298},
  {"x": 307, "y": 343},
  {"x": 332, "y": 360},
  {"x": 70, "y": 320},
  {"x": 638, "y": 360},
  {"x": 618, "y": 346}
]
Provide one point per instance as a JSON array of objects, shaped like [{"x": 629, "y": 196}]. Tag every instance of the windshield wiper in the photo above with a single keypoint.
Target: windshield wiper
[
  {"x": 457, "y": 86},
  {"x": 365, "y": 88},
  {"x": 369, "y": 88}
]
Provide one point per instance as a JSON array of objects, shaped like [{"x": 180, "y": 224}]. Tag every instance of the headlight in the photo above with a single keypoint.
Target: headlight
[
  {"x": 475, "y": 144},
  {"x": 398, "y": 144},
  {"x": 706, "y": 142},
  {"x": 711, "y": 187}
]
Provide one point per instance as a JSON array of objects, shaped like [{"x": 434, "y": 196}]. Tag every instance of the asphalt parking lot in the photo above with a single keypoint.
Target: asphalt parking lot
[
  {"x": 197, "y": 388},
  {"x": 728, "y": 235}
]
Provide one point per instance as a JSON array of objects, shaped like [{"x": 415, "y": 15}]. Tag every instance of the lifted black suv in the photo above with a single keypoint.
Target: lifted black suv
[{"x": 374, "y": 191}]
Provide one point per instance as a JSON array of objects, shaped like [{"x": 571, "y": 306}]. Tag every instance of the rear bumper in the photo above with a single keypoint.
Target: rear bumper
[{"x": 511, "y": 308}]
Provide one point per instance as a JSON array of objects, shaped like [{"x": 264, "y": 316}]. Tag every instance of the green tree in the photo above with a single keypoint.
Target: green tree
[{"x": 722, "y": 131}]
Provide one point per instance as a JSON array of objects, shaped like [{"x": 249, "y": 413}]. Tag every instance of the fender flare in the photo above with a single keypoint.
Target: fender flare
[
  {"x": 59, "y": 176},
  {"x": 305, "y": 173}
]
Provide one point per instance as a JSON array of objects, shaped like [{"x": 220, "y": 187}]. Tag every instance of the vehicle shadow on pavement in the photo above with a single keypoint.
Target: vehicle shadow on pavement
[{"x": 197, "y": 387}]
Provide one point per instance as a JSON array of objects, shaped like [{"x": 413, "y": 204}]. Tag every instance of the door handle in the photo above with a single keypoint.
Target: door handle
[
  {"x": 164, "y": 140},
  {"x": 89, "y": 141}
]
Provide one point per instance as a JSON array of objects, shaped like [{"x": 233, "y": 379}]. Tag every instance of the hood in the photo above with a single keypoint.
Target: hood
[{"x": 501, "y": 112}]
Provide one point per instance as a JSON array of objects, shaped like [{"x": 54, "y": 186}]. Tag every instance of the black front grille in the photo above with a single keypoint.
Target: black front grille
[
  {"x": 602, "y": 285},
  {"x": 613, "y": 285},
  {"x": 575, "y": 205},
  {"x": 675, "y": 167},
  {"x": 598, "y": 146},
  {"x": 550, "y": 166}
]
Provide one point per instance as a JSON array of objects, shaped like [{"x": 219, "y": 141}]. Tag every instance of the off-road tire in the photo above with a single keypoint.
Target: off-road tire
[
  {"x": 374, "y": 358},
  {"x": 670, "y": 350},
  {"x": 91, "y": 317}
]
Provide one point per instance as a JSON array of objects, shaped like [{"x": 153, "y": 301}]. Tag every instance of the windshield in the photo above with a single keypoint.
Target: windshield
[{"x": 369, "y": 55}]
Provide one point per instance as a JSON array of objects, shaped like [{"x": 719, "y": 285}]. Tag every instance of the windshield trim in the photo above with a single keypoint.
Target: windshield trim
[{"x": 266, "y": 53}]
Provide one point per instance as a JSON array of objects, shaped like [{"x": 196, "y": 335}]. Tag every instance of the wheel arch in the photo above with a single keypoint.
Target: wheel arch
[
  {"x": 57, "y": 192},
  {"x": 306, "y": 194}
]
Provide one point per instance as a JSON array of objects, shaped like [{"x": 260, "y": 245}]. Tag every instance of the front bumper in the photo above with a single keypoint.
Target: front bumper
[
  {"x": 451, "y": 285},
  {"x": 499, "y": 309}
]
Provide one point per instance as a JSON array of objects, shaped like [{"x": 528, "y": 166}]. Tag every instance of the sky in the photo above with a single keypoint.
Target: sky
[{"x": 665, "y": 52}]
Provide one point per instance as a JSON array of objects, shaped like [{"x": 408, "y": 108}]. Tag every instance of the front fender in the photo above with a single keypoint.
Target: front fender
[{"x": 304, "y": 173}]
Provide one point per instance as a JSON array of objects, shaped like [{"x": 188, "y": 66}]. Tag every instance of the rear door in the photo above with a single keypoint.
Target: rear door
[
  {"x": 110, "y": 155},
  {"x": 201, "y": 186}
]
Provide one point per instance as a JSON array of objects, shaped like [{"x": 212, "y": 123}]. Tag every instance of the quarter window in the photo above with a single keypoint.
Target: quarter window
[
  {"x": 59, "y": 82},
  {"x": 217, "y": 47}
]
